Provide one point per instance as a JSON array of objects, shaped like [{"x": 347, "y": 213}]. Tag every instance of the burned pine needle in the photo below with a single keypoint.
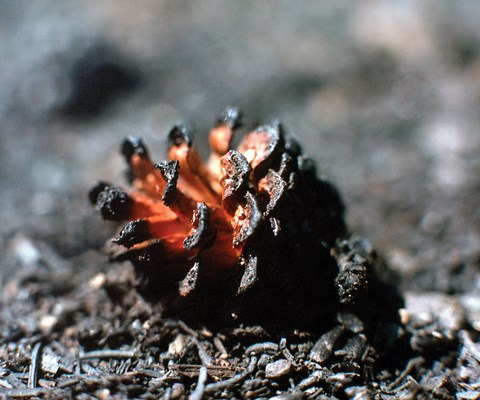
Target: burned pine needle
[
  {"x": 105, "y": 354},
  {"x": 35, "y": 366},
  {"x": 235, "y": 380},
  {"x": 198, "y": 393}
]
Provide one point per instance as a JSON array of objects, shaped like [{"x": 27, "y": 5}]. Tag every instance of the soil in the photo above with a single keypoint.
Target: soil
[{"x": 383, "y": 96}]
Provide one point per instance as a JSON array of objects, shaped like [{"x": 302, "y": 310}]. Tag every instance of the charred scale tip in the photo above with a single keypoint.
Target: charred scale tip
[
  {"x": 236, "y": 173},
  {"x": 170, "y": 172},
  {"x": 286, "y": 166},
  {"x": 249, "y": 276},
  {"x": 133, "y": 233},
  {"x": 113, "y": 203},
  {"x": 262, "y": 147},
  {"x": 355, "y": 259},
  {"x": 275, "y": 186},
  {"x": 201, "y": 231},
  {"x": 292, "y": 146},
  {"x": 231, "y": 116},
  {"x": 189, "y": 283},
  {"x": 95, "y": 191},
  {"x": 351, "y": 283},
  {"x": 276, "y": 133},
  {"x": 250, "y": 220},
  {"x": 180, "y": 134},
  {"x": 306, "y": 166},
  {"x": 134, "y": 145}
]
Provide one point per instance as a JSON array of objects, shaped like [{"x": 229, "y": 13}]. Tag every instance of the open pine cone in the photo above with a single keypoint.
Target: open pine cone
[{"x": 250, "y": 233}]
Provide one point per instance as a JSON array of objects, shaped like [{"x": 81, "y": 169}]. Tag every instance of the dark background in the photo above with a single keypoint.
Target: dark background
[{"x": 384, "y": 95}]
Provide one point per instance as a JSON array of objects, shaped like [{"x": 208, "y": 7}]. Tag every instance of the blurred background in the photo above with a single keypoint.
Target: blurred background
[{"x": 383, "y": 95}]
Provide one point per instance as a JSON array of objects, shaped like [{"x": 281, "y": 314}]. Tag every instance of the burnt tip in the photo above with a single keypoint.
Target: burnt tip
[
  {"x": 179, "y": 135},
  {"x": 133, "y": 233},
  {"x": 95, "y": 191},
  {"x": 113, "y": 203},
  {"x": 134, "y": 145},
  {"x": 201, "y": 232},
  {"x": 236, "y": 173},
  {"x": 170, "y": 172}
]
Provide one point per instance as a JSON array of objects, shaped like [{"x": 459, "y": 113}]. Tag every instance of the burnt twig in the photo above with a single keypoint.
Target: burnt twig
[
  {"x": 215, "y": 387},
  {"x": 184, "y": 327},
  {"x": 24, "y": 393},
  {"x": 259, "y": 348},
  {"x": 220, "y": 347},
  {"x": 108, "y": 354},
  {"x": 316, "y": 377},
  {"x": 286, "y": 352},
  {"x": 202, "y": 353},
  {"x": 34, "y": 366},
  {"x": 323, "y": 348},
  {"x": 415, "y": 362},
  {"x": 197, "y": 394}
]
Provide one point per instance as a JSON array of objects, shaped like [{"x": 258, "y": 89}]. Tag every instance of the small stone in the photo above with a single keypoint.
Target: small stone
[
  {"x": 50, "y": 361},
  {"x": 137, "y": 325},
  {"x": 278, "y": 369},
  {"x": 103, "y": 394},
  {"x": 98, "y": 281},
  {"x": 177, "y": 347},
  {"x": 25, "y": 251},
  {"x": 47, "y": 323}
]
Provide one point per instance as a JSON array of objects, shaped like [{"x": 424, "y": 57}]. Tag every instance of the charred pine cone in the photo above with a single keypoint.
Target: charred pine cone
[{"x": 252, "y": 233}]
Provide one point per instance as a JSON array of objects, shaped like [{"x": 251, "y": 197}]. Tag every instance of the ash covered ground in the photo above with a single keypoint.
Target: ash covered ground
[{"x": 384, "y": 96}]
